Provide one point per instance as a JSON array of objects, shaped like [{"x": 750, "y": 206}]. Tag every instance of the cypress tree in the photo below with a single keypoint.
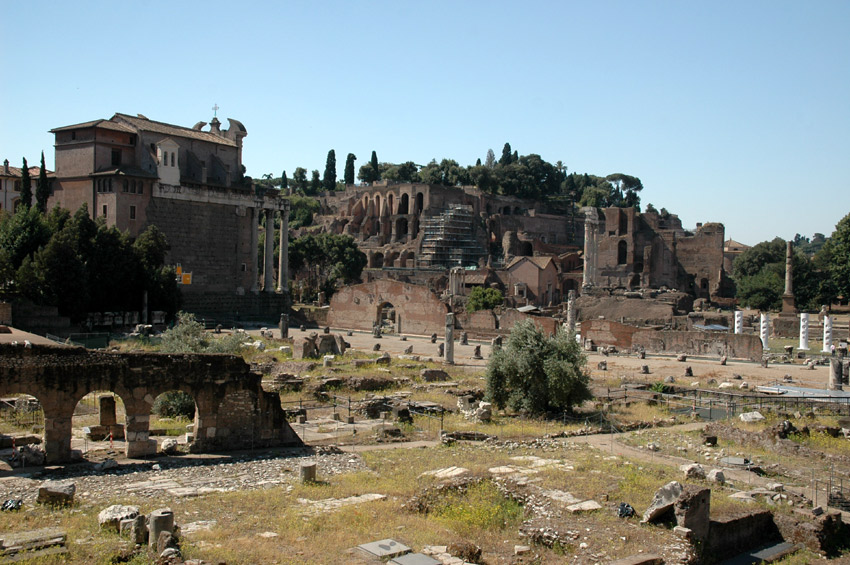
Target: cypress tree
[
  {"x": 329, "y": 180},
  {"x": 42, "y": 190},
  {"x": 26, "y": 185},
  {"x": 348, "y": 176},
  {"x": 374, "y": 162},
  {"x": 284, "y": 182}
]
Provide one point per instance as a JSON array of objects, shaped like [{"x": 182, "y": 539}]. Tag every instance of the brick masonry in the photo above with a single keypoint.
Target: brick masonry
[{"x": 232, "y": 410}]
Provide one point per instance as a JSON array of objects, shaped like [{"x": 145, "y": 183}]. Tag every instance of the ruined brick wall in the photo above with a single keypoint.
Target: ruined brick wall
[
  {"x": 511, "y": 317},
  {"x": 359, "y": 306},
  {"x": 700, "y": 343},
  {"x": 232, "y": 409},
  {"x": 734, "y": 535},
  {"x": 701, "y": 256},
  {"x": 605, "y": 332},
  {"x": 6, "y": 313},
  {"x": 480, "y": 321}
]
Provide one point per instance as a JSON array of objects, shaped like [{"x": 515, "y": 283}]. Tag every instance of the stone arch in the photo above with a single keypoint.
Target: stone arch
[
  {"x": 404, "y": 258},
  {"x": 622, "y": 252},
  {"x": 420, "y": 203},
  {"x": 390, "y": 202},
  {"x": 634, "y": 282},
  {"x": 377, "y": 199},
  {"x": 390, "y": 258},
  {"x": 404, "y": 204},
  {"x": 506, "y": 211},
  {"x": 386, "y": 315},
  {"x": 401, "y": 229},
  {"x": 377, "y": 260}
]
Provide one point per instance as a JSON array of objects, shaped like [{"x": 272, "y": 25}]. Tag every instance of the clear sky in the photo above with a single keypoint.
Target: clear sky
[{"x": 733, "y": 112}]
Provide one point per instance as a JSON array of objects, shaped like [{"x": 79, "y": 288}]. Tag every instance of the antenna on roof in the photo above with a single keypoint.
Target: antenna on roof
[{"x": 215, "y": 110}]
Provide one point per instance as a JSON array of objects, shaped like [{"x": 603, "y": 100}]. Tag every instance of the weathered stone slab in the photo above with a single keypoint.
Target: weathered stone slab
[
  {"x": 385, "y": 548},
  {"x": 111, "y": 517},
  {"x": 414, "y": 559},
  {"x": 586, "y": 506},
  {"x": 54, "y": 492},
  {"x": 748, "y": 417},
  {"x": 663, "y": 501},
  {"x": 642, "y": 559},
  {"x": 446, "y": 472}
]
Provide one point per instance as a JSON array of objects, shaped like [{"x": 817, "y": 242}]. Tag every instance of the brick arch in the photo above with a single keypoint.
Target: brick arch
[{"x": 60, "y": 376}]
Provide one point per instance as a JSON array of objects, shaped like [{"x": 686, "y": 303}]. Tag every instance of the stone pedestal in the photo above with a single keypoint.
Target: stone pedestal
[
  {"x": 308, "y": 472},
  {"x": 107, "y": 410},
  {"x": 764, "y": 330},
  {"x": 827, "y": 334},
  {"x": 804, "y": 332}
]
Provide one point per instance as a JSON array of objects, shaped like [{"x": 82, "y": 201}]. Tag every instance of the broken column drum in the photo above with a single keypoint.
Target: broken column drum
[{"x": 804, "y": 332}]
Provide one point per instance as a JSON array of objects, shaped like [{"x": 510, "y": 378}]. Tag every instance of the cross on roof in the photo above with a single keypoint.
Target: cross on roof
[{"x": 215, "y": 110}]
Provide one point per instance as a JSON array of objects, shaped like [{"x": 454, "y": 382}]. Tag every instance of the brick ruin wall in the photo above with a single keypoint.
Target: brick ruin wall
[
  {"x": 740, "y": 346},
  {"x": 232, "y": 410},
  {"x": 358, "y": 307}
]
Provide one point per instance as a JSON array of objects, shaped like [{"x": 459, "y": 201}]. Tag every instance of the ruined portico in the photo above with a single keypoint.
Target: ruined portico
[{"x": 232, "y": 410}]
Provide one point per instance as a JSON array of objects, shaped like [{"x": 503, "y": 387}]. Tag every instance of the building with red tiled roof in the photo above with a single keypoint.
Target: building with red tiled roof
[{"x": 10, "y": 184}]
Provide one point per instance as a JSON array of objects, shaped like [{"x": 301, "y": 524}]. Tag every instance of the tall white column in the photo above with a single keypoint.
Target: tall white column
[
  {"x": 739, "y": 322},
  {"x": 255, "y": 239},
  {"x": 764, "y": 326},
  {"x": 283, "y": 258},
  {"x": 268, "y": 248},
  {"x": 804, "y": 331},
  {"x": 827, "y": 334}
]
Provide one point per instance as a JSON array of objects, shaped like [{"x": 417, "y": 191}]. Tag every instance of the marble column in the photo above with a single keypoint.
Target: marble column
[
  {"x": 739, "y": 322},
  {"x": 268, "y": 248},
  {"x": 255, "y": 239},
  {"x": 804, "y": 332},
  {"x": 283, "y": 258},
  {"x": 571, "y": 311},
  {"x": 591, "y": 221},
  {"x": 764, "y": 332},
  {"x": 827, "y": 334}
]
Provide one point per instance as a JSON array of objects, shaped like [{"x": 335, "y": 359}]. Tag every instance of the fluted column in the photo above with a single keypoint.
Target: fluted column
[
  {"x": 268, "y": 249},
  {"x": 283, "y": 258}
]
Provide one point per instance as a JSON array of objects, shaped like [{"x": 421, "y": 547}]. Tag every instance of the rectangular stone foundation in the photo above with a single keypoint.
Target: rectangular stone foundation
[{"x": 141, "y": 448}]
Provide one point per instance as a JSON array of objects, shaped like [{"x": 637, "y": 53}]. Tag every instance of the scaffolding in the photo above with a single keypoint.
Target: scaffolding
[{"x": 448, "y": 239}]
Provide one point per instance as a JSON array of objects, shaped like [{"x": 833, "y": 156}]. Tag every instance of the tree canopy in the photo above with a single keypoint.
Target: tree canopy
[
  {"x": 330, "y": 259},
  {"x": 535, "y": 373},
  {"x": 481, "y": 298}
]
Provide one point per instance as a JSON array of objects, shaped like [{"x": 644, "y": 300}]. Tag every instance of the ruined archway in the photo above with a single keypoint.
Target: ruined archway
[
  {"x": 378, "y": 261},
  {"x": 404, "y": 204},
  {"x": 386, "y": 318},
  {"x": 401, "y": 229},
  {"x": 420, "y": 203},
  {"x": 21, "y": 414},
  {"x": 98, "y": 424},
  {"x": 390, "y": 201}
]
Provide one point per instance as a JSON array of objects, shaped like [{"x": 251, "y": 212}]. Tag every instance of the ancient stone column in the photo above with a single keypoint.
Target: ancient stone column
[
  {"x": 268, "y": 250},
  {"x": 835, "y": 375},
  {"x": 804, "y": 332},
  {"x": 590, "y": 225},
  {"x": 161, "y": 520},
  {"x": 571, "y": 311},
  {"x": 450, "y": 338},
  {"x": 739, "y": 322},
  {"x": 788, "y": 296},
  {"x": 283, "y": 258},
  {"x": 255, "y": 239},
  {"x": 764, "y": 330},
  {"x": 827, "y": 334}
]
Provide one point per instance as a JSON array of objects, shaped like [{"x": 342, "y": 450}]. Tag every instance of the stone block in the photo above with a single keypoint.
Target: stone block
[
  {"x": 433, "y": 375},
  {"x": 663, "y": 501},
  {"x": 56, "y": 493},
  {"x": 111, "y": 517},
  {"x": 692, "y": 511},
  {"x": 161, "y": 520},
  {"x": 308, "y": 472},
  {"x": 384, "y": 549}
]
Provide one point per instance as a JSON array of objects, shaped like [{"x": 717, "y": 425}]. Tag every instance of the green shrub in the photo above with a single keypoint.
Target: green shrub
[
  {"x": 481, "y": 298},
  {"x": 174, "y": 404}
]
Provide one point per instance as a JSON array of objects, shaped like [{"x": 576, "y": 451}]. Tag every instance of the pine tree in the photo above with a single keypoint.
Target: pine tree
[
  {"x": 42, "y": 189},
  {"x": 26, "y": 186},
  {"x": 375, "y": 167},
  {"x": 348, "y": 176},
  {"x": 315, "y": 183},
  {"x": 329, "y": 180},
  {"x": 284, "y": 182}
]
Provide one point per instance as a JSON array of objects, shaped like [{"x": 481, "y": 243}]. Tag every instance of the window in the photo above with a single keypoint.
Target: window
[
  {"x": 104, "y": 210},
  {"x": 110, "y": 186},
  {"x": 622, "y": 253},
  {"x": 172, "y": 159},
  {"x": 141, "y": 185},
  {"x": 116, "y": 157},
  {"x": 73, "y": 135},
  {"x": 132, "y": 140},
  {"x": 165, "y": 158},
  {"x": 127, "y": 186},
  {"x": 17, "y": 186},
  {"x": 132, "y": 212},
  {"x": 133, "y": 187}
]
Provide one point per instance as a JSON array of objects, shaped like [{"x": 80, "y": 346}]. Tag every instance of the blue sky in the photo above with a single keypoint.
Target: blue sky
[{"x": 734, "y": 112}]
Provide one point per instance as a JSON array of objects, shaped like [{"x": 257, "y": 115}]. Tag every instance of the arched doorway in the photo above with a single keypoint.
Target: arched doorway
[
  {"x": 622, "y": 253},
  {"x": 386, "y": 318},
  {"x": 403, "y": 204},
  {"x": 98, "y": 425},
  {"x": 401, "y": 229},
  {"x": 378, "y": 261},
  {"x": 420, "y": 203}
]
